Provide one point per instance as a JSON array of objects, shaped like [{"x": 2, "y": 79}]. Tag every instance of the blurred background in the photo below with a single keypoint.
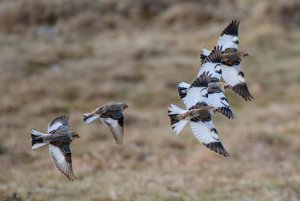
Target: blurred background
[{"x": 70, "y": 56}]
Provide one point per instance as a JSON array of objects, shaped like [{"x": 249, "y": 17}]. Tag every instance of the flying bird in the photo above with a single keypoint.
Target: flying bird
[
  {"x": 217, "y": 98},
  {"x": 59, "y": 138},
  {"x": 111, "y": 114},
  {"x": 203, "y": 89},
  {"x": 200, "y": 118},
  {"x": 191, "y": 94},
  {"x": 211, "y": 64},
  {"x": 231, "y": 60}
]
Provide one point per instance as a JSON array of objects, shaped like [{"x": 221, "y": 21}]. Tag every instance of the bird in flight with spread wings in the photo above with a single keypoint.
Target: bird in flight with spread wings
[
  {"x": 231, "y": 60},
  {"x": 200, "y": 118},
  {"x": 202, "y": 89},
  {"x": 111, "y": 114},
  {"x": 207, "y": 87},
  {"x": 59, "y": 138}
]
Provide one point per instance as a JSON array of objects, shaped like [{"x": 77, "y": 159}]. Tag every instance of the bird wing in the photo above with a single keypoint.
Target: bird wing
[
  {"x": 59, "y": 123},
  {"x": 211, "y": 66},
  {"x": 116, "y": 127},
  {"x": 219, "y": 101},
  {"x": 233, "y": 76},
  {"x": 229, "y": 36},
  {"x": 197, "y": 92},
  {"x": 208, "y": 136},
  {"x": 61, "y": 156}
]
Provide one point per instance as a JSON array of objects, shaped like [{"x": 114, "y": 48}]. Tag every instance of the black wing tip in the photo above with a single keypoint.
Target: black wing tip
[
  {"x": 202, "y": 56},
  {"x": 63, "y": 116},
  {"x": 218, "y": 148},
  {"x": 71, "y": 177},
  {"x": 214, "y": 56},
  {"x": 232, "y": 28},
  {"x": 181, "y": 91},
  {"x": 227, "y": 112},
  {"x": 242, "y": 90},
  {"x": 201, "y": 81}
]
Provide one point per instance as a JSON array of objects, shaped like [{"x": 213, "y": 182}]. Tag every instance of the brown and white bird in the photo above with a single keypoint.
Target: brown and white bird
[
  {"x": 231, "y": 59},
  {"x": 200, "y": 118},
  {"x": 59, "y": 138},
  {"x": 111, "y": 114}
]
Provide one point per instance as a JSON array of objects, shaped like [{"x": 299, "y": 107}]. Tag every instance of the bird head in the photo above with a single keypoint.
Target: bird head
[
  {"x": 124, "y": 105},
  {"x": 243, "y": 54},
  {"x": 74, "y": 135}
]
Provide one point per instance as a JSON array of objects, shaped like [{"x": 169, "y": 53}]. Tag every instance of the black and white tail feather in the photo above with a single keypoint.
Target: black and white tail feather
[
  {"x": 177, "y": 124},
  {"x": 37, "y": 139},
  {"x": 182, "y": 89},
  {"x": 90, "y": 117}
]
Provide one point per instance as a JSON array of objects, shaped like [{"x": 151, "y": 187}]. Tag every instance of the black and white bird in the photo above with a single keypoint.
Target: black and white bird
[
  {"x": 200, "y": 118},
  {"x": 191, "y": 94},
  {"x": 211, "y": 64},
  {"x": 59, "y": 138},
  {"x": 211, "y": 93},
  {"x": 218, "y": 100},
  {"x": 231, "y": 60},
  {"x": 111, "y": 114}
]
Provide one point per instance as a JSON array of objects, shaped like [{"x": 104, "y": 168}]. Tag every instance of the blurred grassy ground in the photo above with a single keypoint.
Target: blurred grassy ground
[{"x": 71, "y": 56}]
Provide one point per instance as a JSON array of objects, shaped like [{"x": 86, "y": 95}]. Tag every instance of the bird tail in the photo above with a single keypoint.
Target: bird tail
[
  {"x": 182, "y": 88},
  {"x": 37, "y": 140},
  {"x": 176, "y": 122},
  {"x": 90, "y": 117},
  {"x": 204, "y": 53}
]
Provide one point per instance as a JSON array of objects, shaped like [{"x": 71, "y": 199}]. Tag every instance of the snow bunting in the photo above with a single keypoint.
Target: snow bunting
[
  {"x": 58, "y": 138},
  {"x": 200, "y": 118},
  {"x": 111, "y": 114},
  {"x": 191, "y": 94},
  {"x": 217, "y": 98},
  {"x": 203, "y": 89},
  {"x": 231, "y": 60},
  {"x": 211, "y": 65}
]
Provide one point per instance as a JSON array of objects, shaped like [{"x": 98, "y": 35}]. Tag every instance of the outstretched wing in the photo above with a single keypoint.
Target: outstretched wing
[
  {"x": 116, "y": 127},
  {"x": 61, "y": 156},
  {"x": 208, "y": 136},
  {"x": 233, "y": 76},
  {"x": 203, "y": 54},
  {"x": 219, "y": 101},
  {"x": 229, "y": 36},
  {"x": 59, "y": 123},
  {"x": 190, "y": 95},
  {"x": 211, "y": 66}
]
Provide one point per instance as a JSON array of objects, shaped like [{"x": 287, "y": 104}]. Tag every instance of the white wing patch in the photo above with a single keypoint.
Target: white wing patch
[
  {"x": 54, "y": 126},
  {"x": 211, "y": 69},
  {"x": 58, "y": 122},
  {"x": 227, "y": 41},
  {"x": 203, "y": 133},
  {"x": 231, "y": 75},
  {"x": 205, "y": 52},
  {"x": 60, "y": 162},
  {"x": 216, "y": 100},
  {"x": 194, "y": 95},
  {"x": 114, "y": 127}
]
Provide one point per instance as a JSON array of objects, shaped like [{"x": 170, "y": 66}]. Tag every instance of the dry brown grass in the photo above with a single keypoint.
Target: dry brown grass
[{"x": 69, "y": 57}]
